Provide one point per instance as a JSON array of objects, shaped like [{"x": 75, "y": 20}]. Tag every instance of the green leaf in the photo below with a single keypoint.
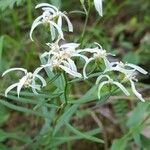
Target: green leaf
[
  {"x": 9, "y": 3},
  {"x": 132, "y": 57},
  {"x": 21, "y": 109},
  {"x": 1, "y": 48},
  {"x": 57, "y": 3},
  {"x": 137, "y": 139},
  {"x": 65, "y": 117},
  {"x": 119, "y": 144},
  {"x": 61, "y": 140},
  {"x": 38, "y": 102},
  {"x": 3, "y": 136},
  {"x": 86, "y": 136},
  {"x": 46, "y": 95},
  {"x": 145, "y": 142},
  {"x": 137, "y": 114},
  {"x": 3, "y": 147},
  {"x": 82, "y": 2},
  {"x": 89, "y": 96},
  {"x": 4, "y": 115}
]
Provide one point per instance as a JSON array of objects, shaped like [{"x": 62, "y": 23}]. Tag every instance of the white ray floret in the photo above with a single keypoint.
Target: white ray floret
[
  {"x": 109, "y": 81},
  {"x": 61, "y": 57},
  {"x": 98, "y": 53},
  {"x": 131, "y": 77},
  {"x": 98, "y": 6},
  {"x": 27, "y": 81},
  {"x": 53, "y": 17},
  {"x": 123, "y": 67},
  {"x": 130, "y": 71}
]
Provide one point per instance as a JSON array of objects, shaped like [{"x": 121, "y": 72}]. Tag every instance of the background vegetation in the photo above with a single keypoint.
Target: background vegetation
[{"x": 122, "y": 122}]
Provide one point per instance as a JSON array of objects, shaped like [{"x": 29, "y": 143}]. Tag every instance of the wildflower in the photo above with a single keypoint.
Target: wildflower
[
  {"x": 98, "y": 6},
  {"x": 27, "y": 81},
  {"x": 129, "y": 70},
  {"x": 123, "y": 67},
  {"x": 61, "y": 57},
  {"x": 98, "y": 53},
  {"x": 131, "y": 77},
  {"x": 109, "y": 81},
  {"x": 53, "y": 17}
]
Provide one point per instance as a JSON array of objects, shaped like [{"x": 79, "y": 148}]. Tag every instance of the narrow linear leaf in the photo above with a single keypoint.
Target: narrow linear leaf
[
  {"x": 1, "y": 48},
  {"x": 86, "y": 136},
  {"x": 21, "y": 109},
  {"x": 119, "y": 144},
  {"x": 9, "y": 3},
  {"x": 65, "y": 117},
  {"x": 61, "y": 140}
]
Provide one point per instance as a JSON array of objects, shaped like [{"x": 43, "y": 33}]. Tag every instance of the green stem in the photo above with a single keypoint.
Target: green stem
[
  {"x": 65, "y": 88},
  {"x": 29, "y": 10},
  {"x": 85, "y": 24},
  {"x": 63, "y": 105}
]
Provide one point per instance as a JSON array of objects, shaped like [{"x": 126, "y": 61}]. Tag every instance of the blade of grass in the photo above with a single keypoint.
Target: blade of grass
[
  {"x": 65, "y": 117},
  {"x": 81, "y": 134},
  {"x": 61, "y": 140},
  {"x": 1, "y": 49},
  {"x": 21, "y": 109}
]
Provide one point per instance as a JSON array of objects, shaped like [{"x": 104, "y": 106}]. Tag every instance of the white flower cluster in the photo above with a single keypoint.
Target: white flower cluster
[{"x": 60, "y": 57}]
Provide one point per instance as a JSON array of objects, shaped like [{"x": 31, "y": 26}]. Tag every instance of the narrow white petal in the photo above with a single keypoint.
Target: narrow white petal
[
  {"x": 34, "y": 88},
  {"x": 135, "y": 91},
  {"x": 49, "y": 10},
  {"x": 121, "y": 87},
  {"x": 82, "y": 56},
  {"x": 98, "y": 45},
  {"x": 98, "y": 6},
  {"x": 46, "y": 65},
  {"x": 46, "y": 5},
  {"x": 137, "y": 68},
  {"x": 107, "y": 63},
  {"x": 21, "y": 83},
  {"x": 100, "y": 77},
  {"x": 90, "y": 50},
  {"x": 14, "y": 69},
  {"x": 41, "y": 79},
  {"x": 34, "y": 25},
  {"x": 72, "y": 64},
  {"x": 37, "y": 70},
  {"x": 100, "y": 87},
  {"x": 85, "y": 66},
  {"x": 70, "y": 45},
  {"x": 44, "y": 54},
  {"x": 71, "y": 72},
  {"x": 53, "y": 33},
  {"x": 70, "y": 26},
  {"x": 59, "y": 21},
  {"x": 65, "y": 63},
  {"x": 58, "y": 29},
  {"x": 10, "y": 88}
]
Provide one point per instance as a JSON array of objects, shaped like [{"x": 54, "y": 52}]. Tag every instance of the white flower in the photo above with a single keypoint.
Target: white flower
[
  {"x": 53, "y": 17},
  {"x": 98, "y": 6},
  {"x": 131, "y": 76},
  {"x": 125, "y": 67},
  {"x": 61, "y": 57},
  {"x": 109, "y": 81},
  {"x": 98, "y": 53},
  {"x": 28, "y": 80},
  {"x": 129, "y": 70}
]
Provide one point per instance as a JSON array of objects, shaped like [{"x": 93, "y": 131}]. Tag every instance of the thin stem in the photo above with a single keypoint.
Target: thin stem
[
  {"x": 85, "y": 24},
  {"x": 29, "y": 10},
  {"x": 65, "y": 88},
  {"x": 63, "y": 106}
]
